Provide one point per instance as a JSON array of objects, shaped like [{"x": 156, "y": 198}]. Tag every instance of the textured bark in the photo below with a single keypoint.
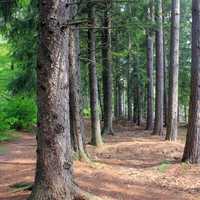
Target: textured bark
[
  {"x": 158, "y": 124},
  {"x": 76, "y": 120},
  {"x": 53, "y": 179},
  {"x": 149, "y": 125},
  {"x": 192, "y": 147},
  {"x": 107, "y": 71},
  {"x": 174, "y": 72},
  {"x": 94, "y": 104}
]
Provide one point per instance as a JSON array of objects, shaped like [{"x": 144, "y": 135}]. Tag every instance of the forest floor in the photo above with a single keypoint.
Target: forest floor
[{"x": 132, "y": 165}]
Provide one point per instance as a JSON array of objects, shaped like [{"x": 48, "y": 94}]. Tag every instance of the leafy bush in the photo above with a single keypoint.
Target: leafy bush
[
  {"x": 18, "y": 113},
  {"x": 86, "y": 112},
  {"x": 6, "y": 136},
  {"x": 4, "y": 125}
]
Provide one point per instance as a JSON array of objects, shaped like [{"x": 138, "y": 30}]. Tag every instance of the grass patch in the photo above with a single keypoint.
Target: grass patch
[
  {"x": 9, "y": 136},
  {"x": 164, "y": 166},
  {"x": 18, "y": 187}
]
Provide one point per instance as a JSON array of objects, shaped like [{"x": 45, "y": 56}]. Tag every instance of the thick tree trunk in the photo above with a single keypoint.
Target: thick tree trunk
[
  {"x": 158, "y": 124},
  {"x": 54, "y": 156},
  {"x": 76, "y": 120},
  {"x": 107, "y": 71},
  {"x": 94, "y": 104},
  {"x": 149, "y": 125},
  {"x": 192, "y": 147},
  {"x": 174, "y": 72}
]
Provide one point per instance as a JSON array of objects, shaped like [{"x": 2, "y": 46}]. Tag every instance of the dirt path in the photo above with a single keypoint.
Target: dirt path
[{"x": 131, "y": 166}]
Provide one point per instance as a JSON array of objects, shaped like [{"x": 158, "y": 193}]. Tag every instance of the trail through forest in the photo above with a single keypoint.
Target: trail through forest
[{"x": 133, "y": 165}]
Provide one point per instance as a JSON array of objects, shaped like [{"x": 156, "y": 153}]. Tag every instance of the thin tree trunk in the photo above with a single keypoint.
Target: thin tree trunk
[
  {"x": 192, "y": 147},
  {"x": 116, "y": 111},
  {"x": 129, "y": 92},
  {"x": 94, "y": 104},
  {"x": 139, "y": 111},
  {"x": 120, "y": 103},
  {"x": 149, "y": 125},
  {"x": 107, "y": 71},
  {"x": 165, "y": 88},
  {"x": 76, "y": 120},
  {"x": 135, "y": 94},
  {"x": 158, "y": 124},
  {"x": 54, "y": 178},
  {"x": 172, "y": 124},
  {"x": 100, "y": 99}
]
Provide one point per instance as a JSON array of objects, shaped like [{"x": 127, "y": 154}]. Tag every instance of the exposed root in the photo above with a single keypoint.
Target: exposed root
[{"x": 82, "y": 195}]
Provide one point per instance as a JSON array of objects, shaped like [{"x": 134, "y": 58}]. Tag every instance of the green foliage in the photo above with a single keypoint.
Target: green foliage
[
  {"x": 23, "y": 50},
  {"x": 86, "y": 112},
  {"x": 23, "y": 3},
  {"x": 18, "y": 113},
  {"x": 7, "y": 136}
]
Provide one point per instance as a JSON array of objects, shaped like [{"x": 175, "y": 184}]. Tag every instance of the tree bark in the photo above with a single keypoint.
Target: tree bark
[
  {"x": 76, "y": 119},
  {"x": 129, "y": 91},
  {"x": 54, "y": 178},
  {"x": 107, "y": 71},
  {"x": 149, "y": 83},
  {"x": 158, "y": 124},
  {"x": 94, "y": 104},
  {"x": 192, "y": 147},
  {"x": 149, "y": 125},
  {"x": 165, "y": 87},
  {"x": 172, "y": 123}
]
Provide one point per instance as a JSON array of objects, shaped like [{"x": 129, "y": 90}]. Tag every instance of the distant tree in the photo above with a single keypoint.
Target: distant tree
[
  {"x": 158, "y": 124},
  {"x": 75, "y": 100},
  {"x": 94, "y": 100},
  {"x": 172, "y": 125},
  {"x": 150, "y": 58},
  {"x": 192, "y": 147},
  {"x": 107, "y": 68}
]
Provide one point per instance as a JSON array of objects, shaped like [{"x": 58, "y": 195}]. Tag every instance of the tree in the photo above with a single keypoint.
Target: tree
[
  {"x": 129, "y": 78},
  {"x": 192, "y": 147},
  {"x": 174, "y": 73},
  {"x": 107, "y": 69},
  {"x": 75, "y": 101},
  {"x": 150, "y": 72},
  {"x": 54, "y": 158},
  {"x": 94, "y": 105},
  {"x": 158, "y": 124}
]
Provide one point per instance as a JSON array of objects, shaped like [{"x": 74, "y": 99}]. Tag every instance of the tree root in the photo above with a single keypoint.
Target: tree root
[{"x": 82, "y": 195}]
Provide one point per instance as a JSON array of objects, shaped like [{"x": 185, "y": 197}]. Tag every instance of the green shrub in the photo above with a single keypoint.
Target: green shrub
[
  {"x": 6, "y": 136},
  {"x": 21, "y": 113},
  {"x": 18, "y": 113},
  {"x": 86, "y": 112}
]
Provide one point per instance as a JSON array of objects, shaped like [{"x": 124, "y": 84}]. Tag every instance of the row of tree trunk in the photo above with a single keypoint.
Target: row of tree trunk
[{"x": 58, "y": 67}]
